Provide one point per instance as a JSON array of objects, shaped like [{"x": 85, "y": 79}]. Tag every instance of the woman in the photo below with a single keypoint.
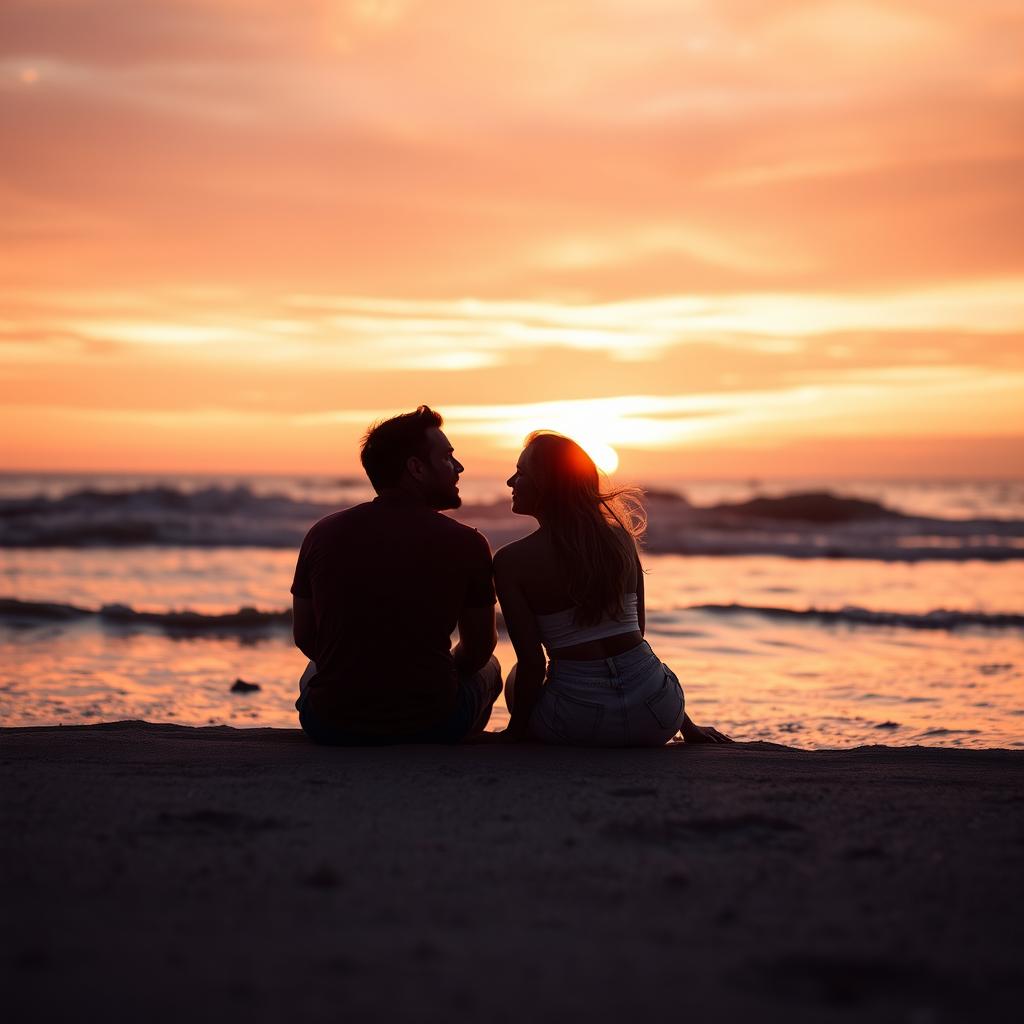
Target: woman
[{"x": 575, "y": 586}]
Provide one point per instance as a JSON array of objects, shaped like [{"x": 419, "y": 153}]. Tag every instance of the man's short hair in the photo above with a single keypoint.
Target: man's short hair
[{"x": 388, "y": 445}]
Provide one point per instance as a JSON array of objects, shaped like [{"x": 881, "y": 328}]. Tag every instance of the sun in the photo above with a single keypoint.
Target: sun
[
  {"x": 590, "y": 432},
  {"x": 605, "y": 457},
  {"x": 592, "y": 440}
]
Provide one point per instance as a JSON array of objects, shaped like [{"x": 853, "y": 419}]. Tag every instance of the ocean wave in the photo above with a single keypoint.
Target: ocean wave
[
  {"x": 245, "y": 620},
  {"x": 815, "y": 524},
  {"x": 803, "y": 525},
  {"x": 937, "y": 618},
  {"x": 819, "y": 524},
  {"x": 208, "y": 517},
  {"x": 242, "y": 621}
]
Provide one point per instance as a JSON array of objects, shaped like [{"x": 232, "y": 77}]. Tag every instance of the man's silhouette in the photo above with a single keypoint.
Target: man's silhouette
[{"x": 380, "y": 587}]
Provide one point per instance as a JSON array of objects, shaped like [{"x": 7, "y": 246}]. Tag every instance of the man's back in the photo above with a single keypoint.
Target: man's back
[{"x": 388, "y": 580}]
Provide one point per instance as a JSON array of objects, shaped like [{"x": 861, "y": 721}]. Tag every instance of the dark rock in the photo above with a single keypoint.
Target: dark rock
[{"x": 810, "y": 507}]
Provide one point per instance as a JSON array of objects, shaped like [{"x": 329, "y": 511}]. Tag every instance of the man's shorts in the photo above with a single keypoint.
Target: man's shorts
[{"x": 474, "y": 700}]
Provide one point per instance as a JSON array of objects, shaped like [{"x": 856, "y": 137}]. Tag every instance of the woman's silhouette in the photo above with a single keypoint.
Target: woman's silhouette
[{"x": 575, "y": 587}]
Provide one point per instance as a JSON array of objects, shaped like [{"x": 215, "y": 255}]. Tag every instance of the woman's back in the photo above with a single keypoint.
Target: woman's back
[{"x": 545, "y": 583}]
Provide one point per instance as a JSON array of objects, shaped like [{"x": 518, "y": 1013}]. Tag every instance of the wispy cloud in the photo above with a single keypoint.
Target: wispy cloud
[{"x": 367, "y": 333}]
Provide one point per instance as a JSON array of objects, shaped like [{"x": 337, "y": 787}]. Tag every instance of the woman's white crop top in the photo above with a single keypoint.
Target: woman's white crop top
[{"x": 559, "y": 630}]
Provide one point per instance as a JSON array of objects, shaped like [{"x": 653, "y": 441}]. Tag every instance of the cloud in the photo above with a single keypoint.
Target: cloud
[
  {"x": 312, "y": 367},
  {"x": 367, "y": 334},
  {"x": 577, "y": 149},
  {"x": 906, "y": 403},
  {"x": 232, "y": 194},
  {"x": 120, "y": 33}
]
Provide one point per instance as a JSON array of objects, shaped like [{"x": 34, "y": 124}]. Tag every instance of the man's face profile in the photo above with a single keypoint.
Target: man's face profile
[{"x": 439, "y": 484}]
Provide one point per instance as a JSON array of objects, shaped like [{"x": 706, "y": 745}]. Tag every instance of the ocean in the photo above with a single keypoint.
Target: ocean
[{"x": 813, "y": 613}]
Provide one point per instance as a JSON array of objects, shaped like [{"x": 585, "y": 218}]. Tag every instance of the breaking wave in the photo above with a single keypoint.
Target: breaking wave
[
  {"x": 238, "y": 622},
  {"x": 802, "y": 525},
  {"x": 209, "y": 517},
  {"x": 938, "y": 618},
  {"x": 247, "y": 620}
]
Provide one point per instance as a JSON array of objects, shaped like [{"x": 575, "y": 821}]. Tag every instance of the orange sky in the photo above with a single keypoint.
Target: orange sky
[{"x": 746, "y": 238}]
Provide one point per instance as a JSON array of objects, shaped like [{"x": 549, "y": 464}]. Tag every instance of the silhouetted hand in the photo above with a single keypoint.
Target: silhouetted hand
[{"x": 693, "y": 733}]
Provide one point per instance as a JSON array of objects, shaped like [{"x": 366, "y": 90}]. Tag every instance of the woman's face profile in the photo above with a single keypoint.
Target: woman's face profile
[{"x": 524, "y": 489}]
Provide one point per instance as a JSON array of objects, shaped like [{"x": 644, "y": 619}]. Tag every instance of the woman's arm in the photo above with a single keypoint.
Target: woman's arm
[
  {"x": 522, "y": 631},
  {"x": 693, "y": 733},
  {"x": 641, "y": 608}
]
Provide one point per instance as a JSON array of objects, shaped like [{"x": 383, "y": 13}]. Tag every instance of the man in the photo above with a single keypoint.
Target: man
[{"x": 380, "y": 587}]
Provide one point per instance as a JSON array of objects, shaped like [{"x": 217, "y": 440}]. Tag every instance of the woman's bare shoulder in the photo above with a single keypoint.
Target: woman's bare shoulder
[{"x": 519, "y": 554}]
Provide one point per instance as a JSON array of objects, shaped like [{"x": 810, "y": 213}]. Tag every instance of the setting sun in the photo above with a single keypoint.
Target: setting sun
[{"x": 605, "y": 457}]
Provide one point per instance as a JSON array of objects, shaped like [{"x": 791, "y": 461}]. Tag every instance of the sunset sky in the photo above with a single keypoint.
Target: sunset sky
[{"x": 723, "y": 237}]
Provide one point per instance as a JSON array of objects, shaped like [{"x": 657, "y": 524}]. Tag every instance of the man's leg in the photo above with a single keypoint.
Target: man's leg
[
  {"x": 510, "y": 689},
  {"x": 483, "y": 688},
  {"x": 308, "y": 674},
  {"x": 477, "y": 694}
]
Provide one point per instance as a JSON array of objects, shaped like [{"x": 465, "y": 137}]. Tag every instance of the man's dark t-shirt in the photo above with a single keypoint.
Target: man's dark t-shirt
[{"x": 388, "y": 580}]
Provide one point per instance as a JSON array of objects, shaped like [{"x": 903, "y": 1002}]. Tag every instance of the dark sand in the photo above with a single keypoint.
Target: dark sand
[{"x": 158, "y": 873}]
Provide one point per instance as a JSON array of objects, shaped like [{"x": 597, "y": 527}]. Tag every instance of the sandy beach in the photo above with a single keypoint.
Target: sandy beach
[{"x": 160, "y": 872}]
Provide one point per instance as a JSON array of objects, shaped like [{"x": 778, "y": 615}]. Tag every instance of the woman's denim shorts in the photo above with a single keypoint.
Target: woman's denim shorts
[{"x": 630, "y": 700}]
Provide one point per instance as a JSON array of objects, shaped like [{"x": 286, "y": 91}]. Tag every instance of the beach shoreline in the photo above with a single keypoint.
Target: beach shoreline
[{"x": 160, "y": 871}]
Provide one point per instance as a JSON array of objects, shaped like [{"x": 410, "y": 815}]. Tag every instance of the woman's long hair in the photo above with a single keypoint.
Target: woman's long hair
[{"x": 594, "y": 532}]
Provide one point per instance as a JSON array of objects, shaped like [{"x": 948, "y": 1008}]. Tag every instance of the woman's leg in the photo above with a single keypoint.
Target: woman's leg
[
  {"x": 655, "y": 706},
  {"x": 306, "y": 676},
  {"x": 510, "y": 688},
  {"x": 537, "y": 729}
]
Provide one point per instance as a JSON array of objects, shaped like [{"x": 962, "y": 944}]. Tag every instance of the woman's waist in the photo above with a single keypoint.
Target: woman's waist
[
  {"x": 620, "y": 653},
  {"x": 599, "y": 650}
]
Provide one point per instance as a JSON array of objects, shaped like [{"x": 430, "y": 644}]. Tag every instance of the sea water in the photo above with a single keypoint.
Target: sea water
[{"x": 813, "y": 613}]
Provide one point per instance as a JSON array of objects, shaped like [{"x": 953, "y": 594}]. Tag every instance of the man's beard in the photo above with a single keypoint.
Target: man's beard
[{"x": 442, "y": 498}]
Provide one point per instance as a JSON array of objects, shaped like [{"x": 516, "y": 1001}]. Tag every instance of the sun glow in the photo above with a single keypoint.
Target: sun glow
[
  {"x": 605, "y": 457},
  {"x": 576, "y": 420}
]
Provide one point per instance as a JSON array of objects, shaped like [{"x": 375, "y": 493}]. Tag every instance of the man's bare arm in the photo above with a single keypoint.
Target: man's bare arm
[
  {"x": 478, "y": 636},
  {"x": 304, "y": 626}
]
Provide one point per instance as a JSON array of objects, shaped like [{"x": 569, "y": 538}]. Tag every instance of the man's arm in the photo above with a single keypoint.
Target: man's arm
[
  {"x": 304, "y": 626},
  {"x": 478, "y": 636},
  {"x": 521, "y": 624}
]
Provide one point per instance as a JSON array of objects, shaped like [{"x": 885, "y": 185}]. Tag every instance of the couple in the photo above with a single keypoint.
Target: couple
[{"x": 379, "y": 589}]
